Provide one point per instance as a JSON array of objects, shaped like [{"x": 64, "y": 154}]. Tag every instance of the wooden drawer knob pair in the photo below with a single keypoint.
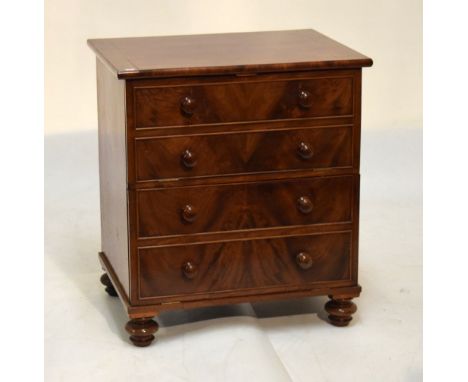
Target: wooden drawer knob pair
[
  {"x": 303, "y": 260},
  {"x": 188, "y": 104},
  {"x": 304, "y": 205},
  {"x": 189, "y": 159}
]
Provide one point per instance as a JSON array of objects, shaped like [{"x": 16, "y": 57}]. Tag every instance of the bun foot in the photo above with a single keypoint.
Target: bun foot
[
  {"x": 340, "y": 310},
  {"x": 141, "y": 331},
  {"x": 105, "y": 280}
]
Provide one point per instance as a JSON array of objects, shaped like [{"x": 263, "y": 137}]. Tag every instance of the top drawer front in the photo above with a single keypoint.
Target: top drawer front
[{"x": 242, "y": 101}]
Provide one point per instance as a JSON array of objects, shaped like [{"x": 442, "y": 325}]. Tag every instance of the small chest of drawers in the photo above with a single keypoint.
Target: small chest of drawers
[{"x": 229, "y": 171}]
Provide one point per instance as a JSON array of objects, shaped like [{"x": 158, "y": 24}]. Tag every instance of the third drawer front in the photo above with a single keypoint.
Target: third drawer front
[
  {"x": 246, "y": 152},
  {"x": 244, "y": 206},
  {"x": 263, "y": 263}
]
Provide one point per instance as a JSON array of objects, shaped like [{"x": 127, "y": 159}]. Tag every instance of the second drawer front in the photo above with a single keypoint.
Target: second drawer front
[
  {"x": 240, "y": 265},
  {"x": 219, "y": 208},
  {"x": 217, "y": 154}
]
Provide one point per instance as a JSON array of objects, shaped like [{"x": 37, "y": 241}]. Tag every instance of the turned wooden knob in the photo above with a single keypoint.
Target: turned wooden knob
[
  {"x": 304, "y": 260},
  {"x": 189, "y": 214},
  {"x": 188, "y": 105},
  {"x": 304, "y": 204},
  {"x": 304, "y": 150},
  {"x": 305, "y": 99},
  {"x": 188, "y": 159},
  {"x": 189, "y": 270}
]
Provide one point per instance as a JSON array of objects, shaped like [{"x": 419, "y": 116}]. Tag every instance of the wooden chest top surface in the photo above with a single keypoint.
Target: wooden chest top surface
[{"x": 227, "y": 53}]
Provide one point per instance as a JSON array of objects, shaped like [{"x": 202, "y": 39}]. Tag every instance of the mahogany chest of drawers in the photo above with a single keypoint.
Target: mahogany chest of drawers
[{"x": 229, "y": 171}]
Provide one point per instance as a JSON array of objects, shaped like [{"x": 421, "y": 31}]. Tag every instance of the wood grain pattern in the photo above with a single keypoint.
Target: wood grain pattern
[
  {"x": 229, "y": 169},
  {"x": 227, "y": 53},
  {"x": 244, "y": 206},
  {"x": 243, "y": 265},
  {"x": 241, "y": 153},
  {"x": 151, "y": 308},
  {"x": 235, "y": 101},
  {"x": 217, "y": 237},
  {"x": 340, "y": 310},
  {"x": 257, "y": 126},
  {"x": 141, "y": 330},
  {"x": 113, "y": 171}
]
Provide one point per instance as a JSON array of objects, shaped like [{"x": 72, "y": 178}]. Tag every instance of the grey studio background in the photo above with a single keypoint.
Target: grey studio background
[{"x": 280, "y": 341}]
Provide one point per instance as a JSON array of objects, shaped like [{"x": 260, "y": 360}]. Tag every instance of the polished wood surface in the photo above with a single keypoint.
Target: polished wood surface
[
  {"x": 228, "y": 175},
  {"x": 141, "y": 331},
  {"x": 249, "y": 264},
  {"x": 340, "y": 310},
  {"x": 230, "y": 207},
  {"x": 225, "y": 53},
  {"x": 113, "y": 171},
  {"x": 243, "y": 153},
  {"x": 152, "y": 308},
  {"x": 242, "y": 100}
]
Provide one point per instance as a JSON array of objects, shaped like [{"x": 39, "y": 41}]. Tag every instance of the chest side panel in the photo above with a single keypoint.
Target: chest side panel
[{"x": 113, "y": 171}]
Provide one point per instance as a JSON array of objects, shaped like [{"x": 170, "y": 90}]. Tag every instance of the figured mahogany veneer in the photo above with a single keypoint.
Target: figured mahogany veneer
[
  {"x": 263, "y": 264},
  {"x": 231, "y": 207},
  {"x": 229, "y": 171},
  {"x": 226, "y": 102},
  {"x": 242, "y": 153}
]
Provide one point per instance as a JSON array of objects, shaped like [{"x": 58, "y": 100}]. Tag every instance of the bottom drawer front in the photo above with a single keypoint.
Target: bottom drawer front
[{"x": 240, "y": 265}]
